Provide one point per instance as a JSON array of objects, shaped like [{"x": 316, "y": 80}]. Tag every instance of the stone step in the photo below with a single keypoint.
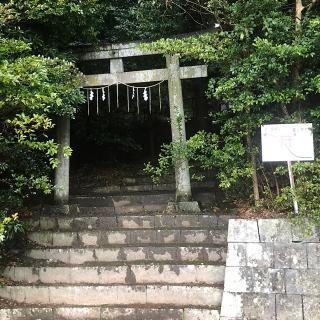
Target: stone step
[
  {"x": 116, "y": 295},
  {"x": 109, "y": 205},
  {"x": 152, "y": 201},
  {"x": 102, "y": 210},
  {"x": 123, "y": 200},
  {"x": 76, "y": 223},
  {"x": 146, "y": 254},
  {"x": 140, "y": 178},
  {"x": 134, "y": 176},
  {"x": 134, "y": 274},
  {"x": 132, "y": 237},
  {"x": 107, "y": 313},
  {"x": 102, "y": 188}
]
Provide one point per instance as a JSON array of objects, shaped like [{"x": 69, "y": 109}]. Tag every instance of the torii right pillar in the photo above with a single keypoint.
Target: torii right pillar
[{"x": 178, "y": 128}]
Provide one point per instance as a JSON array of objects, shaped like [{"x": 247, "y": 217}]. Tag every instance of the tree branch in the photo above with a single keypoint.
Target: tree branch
[
  {"x": 311, "y": 5},
  {"x": 187, "y": 12}
]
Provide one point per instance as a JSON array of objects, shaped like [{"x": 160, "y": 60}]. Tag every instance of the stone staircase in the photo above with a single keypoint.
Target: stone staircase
[
  {"x": 103, "y": 183},
  {"x": 121, "y": 258}
]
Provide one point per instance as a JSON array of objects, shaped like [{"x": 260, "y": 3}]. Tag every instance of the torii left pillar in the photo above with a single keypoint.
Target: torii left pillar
[{"x": 62, "y": 172}]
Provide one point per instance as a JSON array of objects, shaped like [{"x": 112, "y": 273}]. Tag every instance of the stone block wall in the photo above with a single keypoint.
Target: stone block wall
[{"x": 272, "y": 272}]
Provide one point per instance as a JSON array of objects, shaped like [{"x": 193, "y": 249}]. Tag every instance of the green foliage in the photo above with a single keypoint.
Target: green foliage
[
  {"x": 11, "y": 49},
  {"x": 203, "y": 151},
  {"x": 145, "y": 19},
  {"x": 50, "y": 25},
  {"x": 307, "y": 192},
  {"x": 34, "y": 90},
  {"x": 10, "y": 226}
]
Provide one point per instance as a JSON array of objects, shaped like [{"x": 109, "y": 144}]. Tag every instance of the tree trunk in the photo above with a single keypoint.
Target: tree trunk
[
  {"x": 297, "y": 66},
  {"x": 285, "y": 110},
  {"x": 299, "y": 9},
  {"x": 276, "y": 182},
  {"x": 253, "y": 162}
]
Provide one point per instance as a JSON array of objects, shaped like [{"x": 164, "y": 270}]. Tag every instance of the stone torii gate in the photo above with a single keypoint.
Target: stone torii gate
[{"x": 173, "y": 74}]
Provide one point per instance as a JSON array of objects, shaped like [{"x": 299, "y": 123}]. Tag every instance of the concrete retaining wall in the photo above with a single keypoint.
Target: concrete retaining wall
[{"x": 272, "y": 273}]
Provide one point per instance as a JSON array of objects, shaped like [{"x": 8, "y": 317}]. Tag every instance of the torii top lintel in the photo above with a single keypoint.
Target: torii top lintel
[{"x": 115, "y": 53}]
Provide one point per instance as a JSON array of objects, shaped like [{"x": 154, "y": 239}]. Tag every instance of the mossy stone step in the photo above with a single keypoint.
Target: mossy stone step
[
  {"x": 115, "y": 295},
  {"x": 107, "y": 313},
  {"x": 98, "y": 238},
  {"x": 146, "y": 254},
  {"x": 133, "y": 274},
  {"x": 157, "y": 221}
]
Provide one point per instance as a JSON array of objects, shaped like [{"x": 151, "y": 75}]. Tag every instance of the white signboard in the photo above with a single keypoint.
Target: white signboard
[{"x": 287, "y": 142}]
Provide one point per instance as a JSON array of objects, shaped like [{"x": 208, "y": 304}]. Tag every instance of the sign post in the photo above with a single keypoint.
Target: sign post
[
  {"x": 293, "y": 188},
  {"x": 288, "y": 142}
]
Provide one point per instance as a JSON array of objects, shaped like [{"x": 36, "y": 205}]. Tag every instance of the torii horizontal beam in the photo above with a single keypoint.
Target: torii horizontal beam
[
  {"x": 116, "y": 51},
  {"x": 143, "y": 76}
]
